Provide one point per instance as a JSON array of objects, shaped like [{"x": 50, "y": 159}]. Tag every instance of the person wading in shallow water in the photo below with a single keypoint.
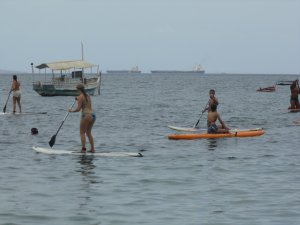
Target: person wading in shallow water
[
  {"x": 15, "y": 87},
  {"x": 84, "y": 104}
]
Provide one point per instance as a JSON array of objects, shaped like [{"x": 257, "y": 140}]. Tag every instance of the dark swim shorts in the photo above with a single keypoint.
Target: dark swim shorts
[{"x": 212, "y": 129}]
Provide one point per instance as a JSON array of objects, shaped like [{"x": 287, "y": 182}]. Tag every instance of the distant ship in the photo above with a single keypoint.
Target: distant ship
[
  {"x": 134, "y": 69},
  {"x": 196, "y": 69}
]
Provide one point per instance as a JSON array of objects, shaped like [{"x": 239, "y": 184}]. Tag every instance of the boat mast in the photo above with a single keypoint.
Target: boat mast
[
  {"x": 32, "y": 70},
  {"x": 82, "y": 58}
]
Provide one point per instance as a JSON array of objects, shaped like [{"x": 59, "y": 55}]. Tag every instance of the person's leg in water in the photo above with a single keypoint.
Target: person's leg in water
[
  {"x": 293, "y": 105},
  {"x": 14, "y": 104},
  {"x": 19, "y": 103},
  {"x": 91, "y": 119},
  {"x": 83, "y": 128}
]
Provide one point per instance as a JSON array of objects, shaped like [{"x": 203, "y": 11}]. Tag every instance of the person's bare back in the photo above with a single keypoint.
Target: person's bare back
[{"x": 212, "y": 118}]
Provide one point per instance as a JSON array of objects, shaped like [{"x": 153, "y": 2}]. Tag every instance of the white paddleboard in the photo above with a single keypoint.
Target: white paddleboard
[
  {"x": 187, "y": 129},
  {"x": 22, "y": 113},
  {"x": 250, "y": 129},
  {"x": 191, "y": 129},
  {"x": 68, "y": 152}
]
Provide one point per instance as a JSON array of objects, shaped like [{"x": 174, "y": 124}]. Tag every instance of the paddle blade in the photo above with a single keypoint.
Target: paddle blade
[
  {"x": 4, "y": 109},
  {"x": 52, "y": 140}
]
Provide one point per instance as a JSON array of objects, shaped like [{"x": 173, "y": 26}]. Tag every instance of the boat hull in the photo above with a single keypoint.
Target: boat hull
[
  {"x": 50, "y": 89},
  {"x": 189, "y": 136}
]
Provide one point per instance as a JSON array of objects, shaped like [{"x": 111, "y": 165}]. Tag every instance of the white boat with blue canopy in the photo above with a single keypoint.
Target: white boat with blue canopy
[{"x": 66, "y": 75}]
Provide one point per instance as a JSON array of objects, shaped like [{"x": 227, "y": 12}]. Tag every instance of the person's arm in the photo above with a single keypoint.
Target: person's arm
[
  {"x": 206, "y": 107},
  {"x": 215, "y": 101},
  {"x": 13, "y": 86},
  {"x": 222, "y": 123},
  {"x": 79, "y": 105}
]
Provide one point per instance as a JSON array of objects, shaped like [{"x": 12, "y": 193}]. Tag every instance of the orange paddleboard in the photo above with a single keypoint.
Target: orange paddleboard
[{"x": 243, "y": 133}]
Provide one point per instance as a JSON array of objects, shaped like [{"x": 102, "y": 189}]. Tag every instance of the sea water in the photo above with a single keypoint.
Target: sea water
[{"x": 216, "y": 181}]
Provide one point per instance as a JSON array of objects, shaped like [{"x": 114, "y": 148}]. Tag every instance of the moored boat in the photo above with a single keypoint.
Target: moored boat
[{"x": 66, "y": 75}]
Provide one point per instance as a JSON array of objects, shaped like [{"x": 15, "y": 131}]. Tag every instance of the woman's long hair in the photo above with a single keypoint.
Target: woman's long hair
[{"x": 82, "y": 89}]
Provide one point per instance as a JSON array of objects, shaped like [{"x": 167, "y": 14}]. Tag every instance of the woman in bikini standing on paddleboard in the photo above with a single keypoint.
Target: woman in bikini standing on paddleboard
[
  {"x": 15, "y": 87},
  {"x": 88, "y": 117}
]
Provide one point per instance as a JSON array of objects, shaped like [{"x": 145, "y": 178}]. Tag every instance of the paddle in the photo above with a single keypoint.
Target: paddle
[
  {"x": 52, "y": 140},
  {"x": 4, "y": 109},
  {"x": 196, "y": 124}
]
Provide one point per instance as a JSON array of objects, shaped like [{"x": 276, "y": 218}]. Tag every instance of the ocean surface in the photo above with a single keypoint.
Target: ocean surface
[{"x": 209, "y": 182}]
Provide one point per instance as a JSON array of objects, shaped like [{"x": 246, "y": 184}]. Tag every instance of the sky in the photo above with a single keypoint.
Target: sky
[{"x": 224, "y": 36}]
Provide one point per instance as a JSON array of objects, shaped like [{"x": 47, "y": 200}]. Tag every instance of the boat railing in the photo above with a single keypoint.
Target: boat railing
[
  {"x": 67, "y": 81},
  {"x": 42, "y": 82}
]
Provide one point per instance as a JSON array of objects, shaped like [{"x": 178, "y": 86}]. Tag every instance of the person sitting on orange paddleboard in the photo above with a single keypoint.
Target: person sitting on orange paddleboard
[{"x": 212, "y": 118}]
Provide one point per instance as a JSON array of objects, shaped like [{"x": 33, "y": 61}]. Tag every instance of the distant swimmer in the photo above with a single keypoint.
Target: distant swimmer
[
  {"x": 294, "y": 95},
  {"x": 88, "y": 117},
  {"x": 213, "y": 100},
  {"x": 15, "y": 87},
  {"x": 212, "y": 118},
  {"x": 34, "y": 131}
]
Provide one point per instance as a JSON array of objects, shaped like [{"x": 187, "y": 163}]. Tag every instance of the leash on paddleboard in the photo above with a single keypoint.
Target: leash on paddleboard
[
  {"x": 52, "y": 140},
  {"x": 196, "y": 124},
  {"x": 4, "y": 108}
]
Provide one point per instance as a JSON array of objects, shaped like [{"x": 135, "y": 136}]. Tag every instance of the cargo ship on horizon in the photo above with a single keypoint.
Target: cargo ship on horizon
[
  {"x": 134, "y": 69},
  {"x": 196, "y": 69}
]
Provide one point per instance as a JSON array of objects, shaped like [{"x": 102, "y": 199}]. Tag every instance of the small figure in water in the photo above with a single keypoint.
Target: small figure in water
[
  {"x": 212, "y": 118},
  {"x": 34, "y": 131},
  {"x": 15, "y": 87},
  {"x": 294, "y": 95},
  {"x": 88, "y": 118}
]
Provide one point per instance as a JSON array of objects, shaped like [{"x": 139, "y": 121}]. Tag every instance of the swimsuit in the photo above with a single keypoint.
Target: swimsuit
[
  {"x": 17, "y": 94},
  {"x": 92, "y": 114},
  {"x": 295, "y": 99},
  {"x": 212, "y": 129}
]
